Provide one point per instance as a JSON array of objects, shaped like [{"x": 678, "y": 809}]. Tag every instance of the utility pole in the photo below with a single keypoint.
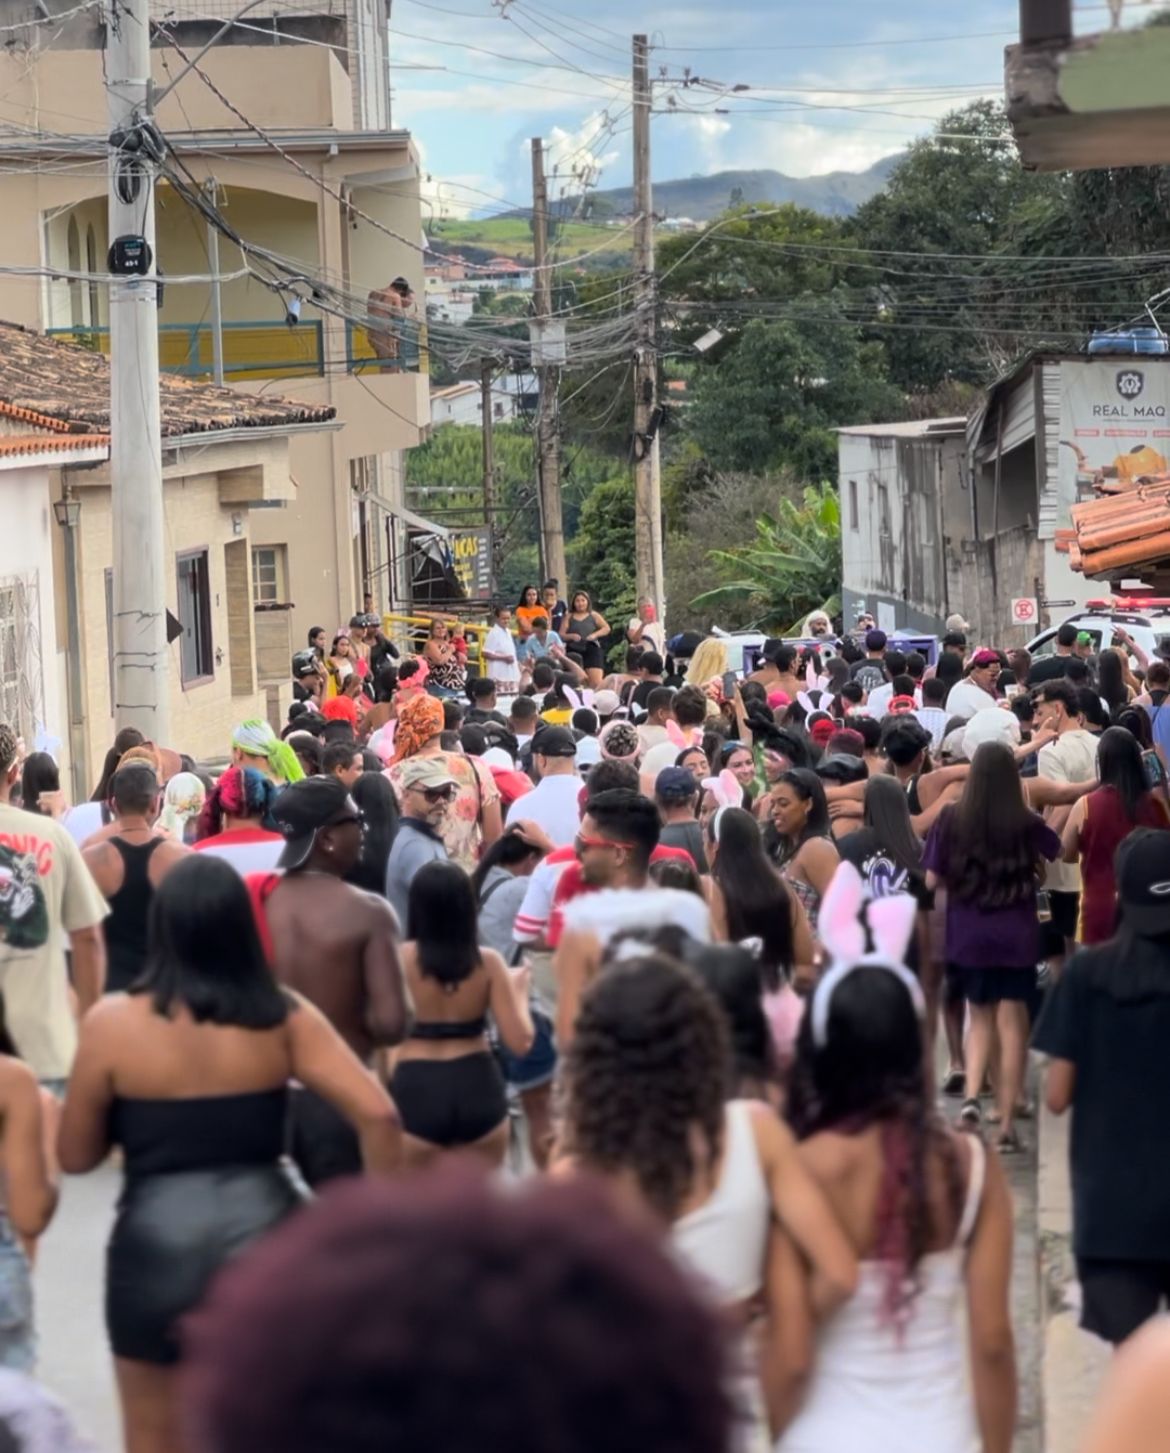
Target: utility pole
[
  {"x": 647, "y": 476},
  {"x": 548, "y": 444},
  {"x": 489, "y": 461},
  {"x": 141, "y": 667},
  {"x": 211, "y": 192}
]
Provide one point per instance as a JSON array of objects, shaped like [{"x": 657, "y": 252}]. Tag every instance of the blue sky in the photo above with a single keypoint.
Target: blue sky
[{"x": 835, "y": 84}]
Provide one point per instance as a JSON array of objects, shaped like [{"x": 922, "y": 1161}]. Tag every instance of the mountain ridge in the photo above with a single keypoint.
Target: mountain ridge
[{"x": 699, "y": 198}]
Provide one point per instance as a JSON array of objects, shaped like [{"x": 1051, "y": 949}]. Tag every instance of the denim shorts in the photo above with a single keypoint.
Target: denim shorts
[
  {"x": 18, "y": 1343},
  {"x": 539, "y": 1065}
]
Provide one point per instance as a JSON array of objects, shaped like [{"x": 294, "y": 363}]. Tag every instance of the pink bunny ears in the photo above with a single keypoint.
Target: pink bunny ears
[
  {"x": 675, "y": 735},
  {"x": 725, "y": 789},
  {"x": 840, "y": 928},
  {"x": 578, "y": 701}
]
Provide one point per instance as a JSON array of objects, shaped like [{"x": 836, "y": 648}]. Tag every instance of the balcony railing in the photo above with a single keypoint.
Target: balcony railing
[{"x": 267, "y": 350}]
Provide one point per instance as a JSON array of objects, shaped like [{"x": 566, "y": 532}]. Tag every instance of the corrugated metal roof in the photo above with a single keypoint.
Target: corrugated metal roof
[{"x": 910, "y": 429}]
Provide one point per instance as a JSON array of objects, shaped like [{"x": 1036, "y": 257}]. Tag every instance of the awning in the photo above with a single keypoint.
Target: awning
[{"x": 416, "y": 522}]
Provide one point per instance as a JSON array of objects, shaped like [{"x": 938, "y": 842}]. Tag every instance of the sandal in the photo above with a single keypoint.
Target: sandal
[
  {"x": 1009, "y": 1144},
  {"x": 954, "y": 1083},
  {"x": 971, "y": 1115}
]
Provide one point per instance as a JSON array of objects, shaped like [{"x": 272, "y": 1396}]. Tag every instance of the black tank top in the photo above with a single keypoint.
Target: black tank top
[
  {"x": 202, "y": 1133},
  {"x": 129, "y": 908}
]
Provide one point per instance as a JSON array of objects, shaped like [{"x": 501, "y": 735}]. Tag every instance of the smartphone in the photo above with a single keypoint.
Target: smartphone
[
  {"x": 1011, "y": 692},
  {"x": 730, "y": 682},
  {"x": 1043, "y": 906}
]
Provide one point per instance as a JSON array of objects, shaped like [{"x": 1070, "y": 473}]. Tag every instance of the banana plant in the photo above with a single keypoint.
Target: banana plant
[{"x": 791, "y": 567}]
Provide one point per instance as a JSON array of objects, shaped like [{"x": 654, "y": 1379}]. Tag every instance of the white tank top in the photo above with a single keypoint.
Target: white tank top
[
  {"x": 911, "y": 1393},
  {"x": 724, "y": 1240}
]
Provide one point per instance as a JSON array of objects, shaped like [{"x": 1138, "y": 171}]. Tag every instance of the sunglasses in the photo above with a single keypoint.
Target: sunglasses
[
  {"x": 584, "y": 844},
  {"x": 435, "y": 795}
]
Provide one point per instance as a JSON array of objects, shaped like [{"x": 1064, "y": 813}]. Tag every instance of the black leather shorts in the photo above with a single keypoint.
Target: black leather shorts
[{"x": 171, "y": 1236}]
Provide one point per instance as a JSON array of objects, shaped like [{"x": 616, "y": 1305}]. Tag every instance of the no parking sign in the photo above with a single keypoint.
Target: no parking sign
[{"x": 1025, "y": 611}]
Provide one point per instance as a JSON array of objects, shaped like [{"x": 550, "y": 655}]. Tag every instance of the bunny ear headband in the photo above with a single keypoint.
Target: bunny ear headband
[
  {"x": 891, "y": 922},
  {"x": 680, "y": 739},
  {"x": 575, "y": 701},
  {"x": 725, "y": 789}
]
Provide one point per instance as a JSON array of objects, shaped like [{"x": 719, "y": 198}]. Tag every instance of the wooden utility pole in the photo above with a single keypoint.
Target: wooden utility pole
[
  {"x": 647, "y": 476},
  {"x": 548, "y": 444},
  {"x": 489, "y": 461}
]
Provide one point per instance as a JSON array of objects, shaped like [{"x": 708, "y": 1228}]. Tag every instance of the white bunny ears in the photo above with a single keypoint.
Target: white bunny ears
[
  {"x": 891, "y": 923},
  {"x": 578, "y": 701},
  {"x": 725, "y": 789}
]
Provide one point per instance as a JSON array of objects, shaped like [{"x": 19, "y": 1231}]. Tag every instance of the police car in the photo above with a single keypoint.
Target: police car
[{"x": 1145, "y": 619}]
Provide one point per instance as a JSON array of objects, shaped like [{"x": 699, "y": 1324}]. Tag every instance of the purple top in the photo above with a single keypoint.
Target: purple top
[{"x": 989, "y": 938}]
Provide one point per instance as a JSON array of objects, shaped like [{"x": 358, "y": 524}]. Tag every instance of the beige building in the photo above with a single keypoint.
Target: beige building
[
  {"x": 315, "y": 173},
  {"x": 226, "y": 463}
]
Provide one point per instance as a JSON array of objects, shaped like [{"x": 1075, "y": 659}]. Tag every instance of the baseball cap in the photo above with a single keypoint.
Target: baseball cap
[
  {"x": 304, "y": 663},
  {"x": 1143, "y": 882},
  {"x": 605, "y": 703},
  {"x": 554, "y": 741},
  {"x": 985, "y": 657},
  {"x": 958, "y": 623},
  {"x": 427, "y": 772},
  {"x": 1084, "y": 638},
  {"x": 675, "y": 782},
  {"x": 302, "y": 810},
  {"x": 875, "y": 640},
  {"x": 992, "y": 724}
]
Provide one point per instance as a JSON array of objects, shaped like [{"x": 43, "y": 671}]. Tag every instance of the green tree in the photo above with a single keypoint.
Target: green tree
[
  {"x": 601, "y": 554},
  {"x": 792, "y": 566},
  {"x": 775, "y": 399}
]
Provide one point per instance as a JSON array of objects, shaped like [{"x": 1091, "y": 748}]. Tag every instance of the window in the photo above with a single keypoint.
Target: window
[
  {"x": 884, "y": 509},
  {"x": 195, "y": 655},
  {"x": 269, "y": 574},
  {"x": 854, "y": 522}
]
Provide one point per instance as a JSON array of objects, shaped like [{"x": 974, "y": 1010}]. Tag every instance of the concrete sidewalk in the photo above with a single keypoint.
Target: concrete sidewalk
[{"x": 1073, "y": 1362}]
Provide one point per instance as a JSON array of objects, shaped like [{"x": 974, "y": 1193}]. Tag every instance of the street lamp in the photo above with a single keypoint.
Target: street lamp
[{"x": 67, "y": 513}]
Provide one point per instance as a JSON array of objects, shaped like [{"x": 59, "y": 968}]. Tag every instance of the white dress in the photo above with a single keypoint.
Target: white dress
[
  {"x": 872, "y": 1390},
  {"x": 723, "y": 1243}
]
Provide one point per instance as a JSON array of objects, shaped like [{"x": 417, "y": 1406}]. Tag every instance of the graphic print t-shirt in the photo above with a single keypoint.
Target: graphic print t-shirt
[
  {"x": 46, "y": 893},
  {"x": 881, "y": 876}
]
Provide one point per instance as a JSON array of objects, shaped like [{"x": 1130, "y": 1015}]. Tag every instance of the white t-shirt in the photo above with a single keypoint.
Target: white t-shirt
[
  {"x": 653, "y": 635},
  {"x": 552, "y": 804},
  {"x": 247, "y": 849},
  {"x": 46, "y": 893},
  {"x": 879, "y": 700},
  {"x": 500, "y": 643},
  {"x": 82, "y": 821},
  {"x": 965, "y": 699},
  {"x": 534, "y": 913},
  {"x": 934, "y": 719},
  {"x": 1072, "y": 757}
]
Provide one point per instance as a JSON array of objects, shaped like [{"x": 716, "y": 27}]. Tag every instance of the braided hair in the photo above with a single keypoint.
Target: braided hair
[{"x": 869, "y": 1073}]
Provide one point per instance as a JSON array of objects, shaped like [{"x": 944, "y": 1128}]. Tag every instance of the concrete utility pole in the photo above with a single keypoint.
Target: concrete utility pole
[
  {"x": 141, "y": 667},
  {"x": 489, "y": 459},
  {"x": 548, "y": 444},
  {"x": 647, "y": 463},
  {"x": 211, "y": 191}
]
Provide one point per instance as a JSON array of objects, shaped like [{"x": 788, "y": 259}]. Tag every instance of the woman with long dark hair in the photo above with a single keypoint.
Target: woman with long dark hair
[
  {"x": 582, "y": 630},
  {"x": 647, "y": 1109},
  {"x": 1099, "y": 823},
  {"x": 128, "y": 737},
  {"x": 446, "y": 1082},
  {"x": 733, "y": 976},
  {"x": 379, "y": 809},
  {"x": 40, "y": 785},
  {"x": 1111, "y": 684},
  {"x": 188, "y": 1072},
  {"x": 751, "y": 902},
  {"x": 804, "y": 850},
  {"x": 928, "y": 1214},
  {"x": 988, "y": 850}
]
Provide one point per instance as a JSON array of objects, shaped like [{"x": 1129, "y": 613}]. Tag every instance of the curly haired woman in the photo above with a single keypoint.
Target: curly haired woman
[{"x": 647, "y": 1108}]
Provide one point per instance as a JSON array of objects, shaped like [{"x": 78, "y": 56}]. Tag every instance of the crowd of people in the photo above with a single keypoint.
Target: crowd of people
[{"x": 746, "y": 956}]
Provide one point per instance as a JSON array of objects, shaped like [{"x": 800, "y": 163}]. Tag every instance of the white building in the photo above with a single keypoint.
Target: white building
[{"x": 462, "y": 403}]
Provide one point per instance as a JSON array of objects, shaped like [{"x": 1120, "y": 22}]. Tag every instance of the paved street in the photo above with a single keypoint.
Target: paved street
[{"x": 75, "y": 1360}]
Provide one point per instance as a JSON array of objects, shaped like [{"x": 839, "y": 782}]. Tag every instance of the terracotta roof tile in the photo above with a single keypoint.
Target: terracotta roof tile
[
  {"x": 49, "y": 443},
  {"x": 63, "y": 387},
  {"x": 1123, "y": 529}
]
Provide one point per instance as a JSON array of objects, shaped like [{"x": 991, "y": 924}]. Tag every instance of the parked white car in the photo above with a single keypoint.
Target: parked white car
[{"x": 1145, "y": 618}]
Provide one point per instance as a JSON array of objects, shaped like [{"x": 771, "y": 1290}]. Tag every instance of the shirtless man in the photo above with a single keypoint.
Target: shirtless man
[
  {"x": 337, "y": 946},
  {"x": 128, "y": 866},
  {"x": 395, "y": 304}
]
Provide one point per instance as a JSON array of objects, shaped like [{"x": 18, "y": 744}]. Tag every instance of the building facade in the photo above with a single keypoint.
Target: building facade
[{"x": 285, "y": 124}]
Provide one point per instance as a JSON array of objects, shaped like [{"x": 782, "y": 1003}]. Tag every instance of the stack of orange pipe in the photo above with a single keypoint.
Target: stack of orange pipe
[{"x": 1130, "y": 527}]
